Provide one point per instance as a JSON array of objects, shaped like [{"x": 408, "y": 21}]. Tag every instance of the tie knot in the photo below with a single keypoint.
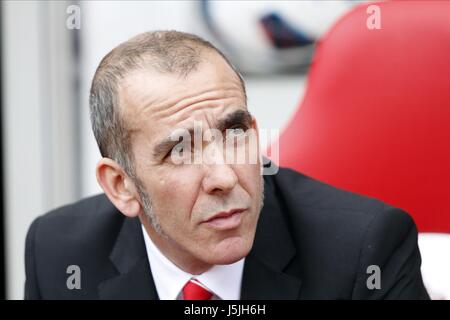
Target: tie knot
[{"x": 194, "y": 290}]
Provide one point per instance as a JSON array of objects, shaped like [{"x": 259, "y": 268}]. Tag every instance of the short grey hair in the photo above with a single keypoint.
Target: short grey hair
[{"x": 165, "y": 52}]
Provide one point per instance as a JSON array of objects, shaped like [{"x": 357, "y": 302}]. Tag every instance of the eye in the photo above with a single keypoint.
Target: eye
[
  {"x": 168, "y": 153},
  {"x": 236, "y": 131},
  {"x": 180, "y": 153},
  {"x": 172, "y": 150}
]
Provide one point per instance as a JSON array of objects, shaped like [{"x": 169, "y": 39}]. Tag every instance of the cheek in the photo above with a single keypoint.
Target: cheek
[
  {"x": 174, "y": 196},
  {"x": 249, "y": 178}
]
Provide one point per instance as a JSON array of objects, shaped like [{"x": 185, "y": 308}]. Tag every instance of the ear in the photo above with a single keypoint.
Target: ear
[{"x": 118, "y": 187}]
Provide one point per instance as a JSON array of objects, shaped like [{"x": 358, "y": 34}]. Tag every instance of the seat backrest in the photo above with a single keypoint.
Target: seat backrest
[{"x": 375, "y": 118}]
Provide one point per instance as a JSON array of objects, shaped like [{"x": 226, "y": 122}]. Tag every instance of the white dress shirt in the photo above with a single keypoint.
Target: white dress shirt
[{"x": 224, "y": 281}]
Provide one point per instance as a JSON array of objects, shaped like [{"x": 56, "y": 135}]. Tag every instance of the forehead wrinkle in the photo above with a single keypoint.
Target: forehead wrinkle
[
  {"x": 166, "y": 105},
  {"x": 130, "y": 103},
  {"x": 182, "y": 115},
  {"x": 236, "y": 116},
  {"x": 173, "y": 108},
  {"x": 211, "y": 94},
  {"x": 209, "y": 105}
]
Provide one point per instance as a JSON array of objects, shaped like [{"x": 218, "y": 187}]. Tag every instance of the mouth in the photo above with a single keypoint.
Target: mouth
[{"x": 225, "y": 220}]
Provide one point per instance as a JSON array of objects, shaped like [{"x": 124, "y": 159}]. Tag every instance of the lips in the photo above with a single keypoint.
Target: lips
[{"x": 226, "y": 219}]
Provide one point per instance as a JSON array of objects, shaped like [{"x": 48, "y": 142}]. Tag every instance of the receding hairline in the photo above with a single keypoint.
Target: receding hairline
[
  {"x": 147, "y": 68},
  {"x": 199, "y": 47},
  {"x": 126, "y": 81}
]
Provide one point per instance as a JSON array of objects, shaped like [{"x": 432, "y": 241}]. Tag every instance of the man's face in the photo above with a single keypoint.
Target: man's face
[{"x": 185, "y": 196}]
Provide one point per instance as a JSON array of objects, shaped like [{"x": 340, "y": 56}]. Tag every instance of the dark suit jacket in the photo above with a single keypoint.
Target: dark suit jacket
[{"x": 313, "y": 241}]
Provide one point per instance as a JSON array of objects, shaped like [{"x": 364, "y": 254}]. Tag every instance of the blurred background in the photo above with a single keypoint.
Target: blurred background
[{"x": 49, "y": 53}]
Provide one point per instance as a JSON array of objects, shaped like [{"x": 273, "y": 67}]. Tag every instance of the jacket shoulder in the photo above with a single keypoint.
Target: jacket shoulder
[
  {"x": 332, "y": 229},
  {"x": 84, "y": 219},
  {"x": 315, "y": 204},
  {"x": 309, "y": 192},
  {"x": 81, "y": 234}
]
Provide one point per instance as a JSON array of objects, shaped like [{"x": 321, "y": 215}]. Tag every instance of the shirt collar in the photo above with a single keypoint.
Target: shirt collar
[{"x": 223, "y": 280}]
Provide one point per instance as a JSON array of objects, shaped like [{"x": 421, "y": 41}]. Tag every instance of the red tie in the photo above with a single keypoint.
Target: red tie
[{"x": 194, "y": 291}]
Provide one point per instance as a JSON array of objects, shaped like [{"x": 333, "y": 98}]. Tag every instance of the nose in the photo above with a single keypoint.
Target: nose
[{"x": 219, "y": 179}]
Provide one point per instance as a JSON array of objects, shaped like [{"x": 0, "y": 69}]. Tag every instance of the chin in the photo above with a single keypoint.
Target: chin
[{"x": 230, "y": 250}]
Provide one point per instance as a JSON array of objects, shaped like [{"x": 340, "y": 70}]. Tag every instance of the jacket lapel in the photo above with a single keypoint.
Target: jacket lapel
[
  {"x": 129, "y": 256},
  {"x": 262, "y": 282},
  {"x": 273, "y": 250}
]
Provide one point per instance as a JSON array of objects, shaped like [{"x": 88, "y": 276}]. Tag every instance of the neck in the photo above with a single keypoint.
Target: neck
[{"x": 173, "y": 251}]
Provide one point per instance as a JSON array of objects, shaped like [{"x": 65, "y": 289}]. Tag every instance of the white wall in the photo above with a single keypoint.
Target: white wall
[{"x": 39, "y": 123}]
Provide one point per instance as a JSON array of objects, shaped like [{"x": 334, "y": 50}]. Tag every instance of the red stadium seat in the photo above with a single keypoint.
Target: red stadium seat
[
  {"x": 376, "y": 115},
  {"x": 375, "y": 118}
]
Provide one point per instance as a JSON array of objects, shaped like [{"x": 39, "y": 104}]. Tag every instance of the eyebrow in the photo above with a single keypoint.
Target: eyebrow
[{"x": 238, "y": 117}]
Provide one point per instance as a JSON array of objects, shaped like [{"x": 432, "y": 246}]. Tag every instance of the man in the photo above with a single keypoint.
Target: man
[{"x": 178, "y": 222}]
